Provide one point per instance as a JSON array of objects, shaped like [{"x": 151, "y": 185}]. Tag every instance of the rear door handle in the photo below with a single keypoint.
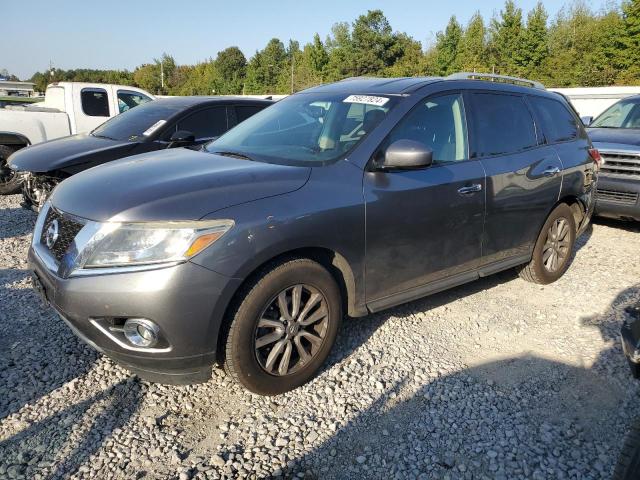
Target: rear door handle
[
  {"x": 551, "y": 171},
  {"x": 470, "y": 190}
]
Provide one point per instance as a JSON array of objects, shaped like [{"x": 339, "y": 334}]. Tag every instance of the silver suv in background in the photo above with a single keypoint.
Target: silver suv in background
[{"x": 616, "y": 135}]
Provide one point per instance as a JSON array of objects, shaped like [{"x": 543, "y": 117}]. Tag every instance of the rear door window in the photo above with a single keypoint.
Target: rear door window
[
  {"x": 208, "y": 123},
  {"x": 95, "y": 102},
  {"x": 245, "y": 111},
  {"x": 556, "y": 121},
  {"x": 502, "y": 124}
]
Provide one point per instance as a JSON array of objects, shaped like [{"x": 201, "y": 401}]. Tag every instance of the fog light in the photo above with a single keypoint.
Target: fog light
[{"x": 141, "y": 332}]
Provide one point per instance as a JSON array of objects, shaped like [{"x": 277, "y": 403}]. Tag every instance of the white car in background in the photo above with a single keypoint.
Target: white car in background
[{"x": 68, "y": 108}]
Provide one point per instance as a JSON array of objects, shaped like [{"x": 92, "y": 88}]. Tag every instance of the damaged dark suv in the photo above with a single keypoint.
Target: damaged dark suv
[
  {"x": 157, "y": 125},
  {"x": 347, "y": 198}
]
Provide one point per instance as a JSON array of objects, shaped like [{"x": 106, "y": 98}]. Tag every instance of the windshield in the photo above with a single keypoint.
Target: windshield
[
  {"x": 624, "y": 114},
  {"x": 137, "y": 123},
  {"x": 305, "y": 128}
]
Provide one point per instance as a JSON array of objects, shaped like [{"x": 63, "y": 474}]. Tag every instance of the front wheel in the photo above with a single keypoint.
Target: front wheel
[
  {"x": 553, "y": 248},
  {"x": 10, "y": 181},
  {"x": 283, "y": 328}
]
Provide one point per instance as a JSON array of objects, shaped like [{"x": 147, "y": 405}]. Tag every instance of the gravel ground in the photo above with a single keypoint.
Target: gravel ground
[{"x": 496, "y": 379}]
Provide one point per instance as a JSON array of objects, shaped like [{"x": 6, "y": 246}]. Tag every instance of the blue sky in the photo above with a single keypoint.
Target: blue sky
[{"x": 119, "y": 34}]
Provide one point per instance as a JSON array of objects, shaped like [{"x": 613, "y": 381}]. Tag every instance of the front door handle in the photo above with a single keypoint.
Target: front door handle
[
  {"x": 470, "y": 190},
  {"x": 551, "y": 171}
]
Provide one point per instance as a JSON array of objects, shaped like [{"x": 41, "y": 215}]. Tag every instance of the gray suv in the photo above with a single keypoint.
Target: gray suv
[{"x": 347, "y": 198}]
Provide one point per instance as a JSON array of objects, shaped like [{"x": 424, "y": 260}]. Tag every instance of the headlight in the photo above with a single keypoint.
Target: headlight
[{"x": 129, "y": 244}]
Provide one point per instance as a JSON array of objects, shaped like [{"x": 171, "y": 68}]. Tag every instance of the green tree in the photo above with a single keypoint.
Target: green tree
[
  {"x": 266, "y": 68},
  {"x": 448, "y": 48},
  {"x": 534, "y": 46},
  {"x": 506, "y": 37},
  {"x": 231, "y": 70},
  {"x": 473, "y": 46},
  {"x": 629, "y": 48}
]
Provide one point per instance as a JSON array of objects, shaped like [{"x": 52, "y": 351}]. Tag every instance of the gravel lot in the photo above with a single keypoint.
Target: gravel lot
[{"x": 495, "y": 379}]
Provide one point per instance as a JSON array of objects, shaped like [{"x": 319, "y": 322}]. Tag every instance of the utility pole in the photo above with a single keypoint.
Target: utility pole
[
  {"x": 162, "y": 75},
  {"x": 292, "y": 60}
]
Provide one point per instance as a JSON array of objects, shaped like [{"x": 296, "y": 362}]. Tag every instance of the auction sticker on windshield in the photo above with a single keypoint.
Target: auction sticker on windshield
[
  {"x": 154, "y": 127},
  {"x": 366, "y": 99}
]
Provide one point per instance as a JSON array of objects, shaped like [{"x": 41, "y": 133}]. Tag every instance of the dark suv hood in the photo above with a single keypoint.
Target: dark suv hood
[
  {"x": 177, "y": 184},
  {"x": 68, "y": 151},
  {"x": 625, "y": 136}
]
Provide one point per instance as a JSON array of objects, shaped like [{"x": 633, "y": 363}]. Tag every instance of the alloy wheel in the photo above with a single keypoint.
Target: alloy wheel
[
  {"x": 291, "y": 330},
  {"x": 556, "y": 246}
]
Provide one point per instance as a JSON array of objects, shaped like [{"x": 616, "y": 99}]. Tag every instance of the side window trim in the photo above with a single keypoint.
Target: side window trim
[
  {"x": 537, "y": 126},
  {"x": 444, "y": 93},
  {"x": 94, "y": 90},
  {"x": 473, "y": 152}
]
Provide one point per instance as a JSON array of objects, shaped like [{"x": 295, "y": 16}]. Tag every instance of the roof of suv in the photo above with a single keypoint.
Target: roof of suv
[
  {"x": 389, "y": 86},
  {"x": 407, "y": 85}
]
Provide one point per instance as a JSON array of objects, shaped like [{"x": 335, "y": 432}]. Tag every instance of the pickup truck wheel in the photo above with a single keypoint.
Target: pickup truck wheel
[
  {"x": 554, "y": 248},
  {"x": 283, "y": 328},
  {"x": 10, "y": 182}
]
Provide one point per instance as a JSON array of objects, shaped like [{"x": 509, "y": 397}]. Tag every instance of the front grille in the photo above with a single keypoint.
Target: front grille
[
  {"x": 621, "y": 198},
  {"x": 621, "y": 164},
  {"x": 68, "y": 228}
]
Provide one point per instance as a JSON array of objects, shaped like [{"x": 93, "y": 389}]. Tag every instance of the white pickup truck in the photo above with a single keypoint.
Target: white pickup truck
[{"x": 68, "y": 108}]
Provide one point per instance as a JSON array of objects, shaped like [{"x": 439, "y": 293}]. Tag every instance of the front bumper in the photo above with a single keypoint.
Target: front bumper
[
  {"x": 186, "y": 301},
  {"x": 618, "y": 198}
]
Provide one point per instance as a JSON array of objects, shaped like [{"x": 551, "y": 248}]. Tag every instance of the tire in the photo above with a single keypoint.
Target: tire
[
  {"x": 541, "y": 269},
  {"x": 255, "y": 351},
  {"x": 628, "y": 466},
  {"x": 9, "y": 183}
]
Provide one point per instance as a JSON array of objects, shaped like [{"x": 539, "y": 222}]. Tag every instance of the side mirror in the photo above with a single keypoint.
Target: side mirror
[
  {"x": 406, "y": 154},
  {"x": 182, "y": 137},
  {"x": 586, "y": 120}
]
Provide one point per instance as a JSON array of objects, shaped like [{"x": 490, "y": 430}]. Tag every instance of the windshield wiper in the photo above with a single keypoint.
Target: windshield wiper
[
  {"x": 239, "y": 155},
  {"x": 102, "y": 136}
]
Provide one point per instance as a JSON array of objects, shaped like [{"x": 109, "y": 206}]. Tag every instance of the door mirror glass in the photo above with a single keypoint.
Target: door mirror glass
[
  {"x": 586, "y": 120},
  {"x": 407, "y": 154},
  {"x": 182, "y": 137}
]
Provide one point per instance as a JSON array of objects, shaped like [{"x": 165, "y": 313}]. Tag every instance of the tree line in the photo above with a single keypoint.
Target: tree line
[{"x": 578, "y": 47}]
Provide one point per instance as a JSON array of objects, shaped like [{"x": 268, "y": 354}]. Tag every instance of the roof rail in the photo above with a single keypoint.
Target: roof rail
[{"x": 492, "y": 77}]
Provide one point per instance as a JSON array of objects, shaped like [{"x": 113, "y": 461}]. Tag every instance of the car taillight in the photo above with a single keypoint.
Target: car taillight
[{"x": 597, "y": 158}]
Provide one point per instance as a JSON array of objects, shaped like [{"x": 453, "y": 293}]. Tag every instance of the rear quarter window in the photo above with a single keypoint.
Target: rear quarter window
[
  {"x": 502, "y": 124},
  {"x": 95, "y": 102},
  {"x": 557, "y": 122}
]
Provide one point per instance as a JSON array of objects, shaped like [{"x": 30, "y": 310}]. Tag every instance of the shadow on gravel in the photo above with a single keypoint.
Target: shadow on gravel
[
  {"x": 38, "y": 353},
  {"x": 518, "y": 417},
  {"x": 629, "y": 226},
  {"x": 583, "y": 239},
  {"x": 16, "y": 222},
  {"x": 59, "y": 445},
  {"x": 355, "y": 332}
]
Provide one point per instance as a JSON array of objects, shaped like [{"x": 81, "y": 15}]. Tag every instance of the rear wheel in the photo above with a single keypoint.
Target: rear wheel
[
  {"x": 10, "y": 181},
  {"x": 283, "y": 328},
  {"x": 553, "y": 249}
]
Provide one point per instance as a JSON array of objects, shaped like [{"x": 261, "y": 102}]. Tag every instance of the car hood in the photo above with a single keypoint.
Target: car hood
[
  {"x": 65, "y": 152},
  {"x": 177, "y": 184},
  {"x": 620, "y": 136}
]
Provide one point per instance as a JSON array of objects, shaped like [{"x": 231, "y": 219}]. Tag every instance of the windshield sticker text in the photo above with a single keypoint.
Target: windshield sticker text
[{"x": 366, "y": 99}]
